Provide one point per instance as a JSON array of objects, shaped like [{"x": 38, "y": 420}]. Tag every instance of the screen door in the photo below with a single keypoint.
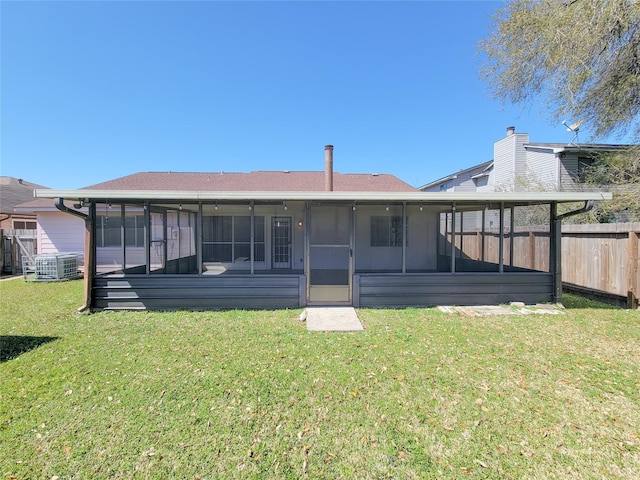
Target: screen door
[{"x": 329, "y": 263}]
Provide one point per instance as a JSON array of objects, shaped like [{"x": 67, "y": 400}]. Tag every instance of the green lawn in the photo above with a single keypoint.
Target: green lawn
[{"x": 252, "y": 394}]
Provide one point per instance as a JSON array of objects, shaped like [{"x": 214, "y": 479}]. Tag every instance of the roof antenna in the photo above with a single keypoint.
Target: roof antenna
[{"x": 574, "y": 127}]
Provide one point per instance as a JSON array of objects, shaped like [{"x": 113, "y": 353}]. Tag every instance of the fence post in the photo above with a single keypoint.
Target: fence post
[
  {"x": 632, "y": 270},
  {"x": 555, "y": 254},
  {"x": 15, "y": 255}
]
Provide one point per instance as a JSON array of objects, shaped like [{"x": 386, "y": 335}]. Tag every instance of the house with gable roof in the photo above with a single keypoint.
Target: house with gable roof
[
  {"x": 13, "y": 192},
  {"x": 283, "y": 239},
  {"x": 18, "y": 227},
  {"x": 521, "y": 165}
]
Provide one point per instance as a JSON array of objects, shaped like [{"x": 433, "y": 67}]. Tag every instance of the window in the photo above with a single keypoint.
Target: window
[
  {"x": 24, "y": 225},
  {"x": 228, "y": 239},
  {"x": 386, "y": 231}
]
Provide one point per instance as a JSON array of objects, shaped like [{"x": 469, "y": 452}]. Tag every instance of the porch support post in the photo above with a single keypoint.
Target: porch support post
[
  {"x": 165, "y": 246},
  {"x": 199, "y": 223},
  {"x": 482, "y": 242},
  {"x": 253, "y": 231},
  {"x": 147, "y": 237},
  {"x": 352, "y": 256},
  {"x": 354, "y": 213},
  {"x": 123, "y": 238},
  {"x": 438, "y": 236},
  {"x": 178, "y": 215},
  {"x": 90, "y": 257},
  {"x": 404, "y": 237},
  {"x": 446, "y": 234},
  {"x": 307, "y": 246},
  {"x": 461, "y": 233},
  {"x": 511, "y": 235},
  {"x": 453, "y": 237},
  {"x": 501, "y": 241},
  {"x": 556, "y": 252}
]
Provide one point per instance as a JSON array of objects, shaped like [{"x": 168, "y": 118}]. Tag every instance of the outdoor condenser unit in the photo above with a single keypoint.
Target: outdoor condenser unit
[{"x": 56, "y": 267}]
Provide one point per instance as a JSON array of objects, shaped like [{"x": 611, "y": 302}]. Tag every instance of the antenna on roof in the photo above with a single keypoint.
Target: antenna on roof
[{"x": 574, "y": 127}]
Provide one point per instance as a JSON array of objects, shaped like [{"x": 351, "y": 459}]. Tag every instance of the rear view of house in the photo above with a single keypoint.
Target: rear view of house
[{"x": 274, "y": 239}]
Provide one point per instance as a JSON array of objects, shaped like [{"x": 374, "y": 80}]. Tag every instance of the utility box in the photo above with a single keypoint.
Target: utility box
[{"x": 53, "y": 267}]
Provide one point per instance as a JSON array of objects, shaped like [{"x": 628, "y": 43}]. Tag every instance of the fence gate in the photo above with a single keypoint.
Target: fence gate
[{"x": 15, "y": 245}]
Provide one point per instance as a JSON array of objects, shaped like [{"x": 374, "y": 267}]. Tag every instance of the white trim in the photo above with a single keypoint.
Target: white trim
[
  {"x": 426, "y": 197},
  {"x": 480, "y": 175}
]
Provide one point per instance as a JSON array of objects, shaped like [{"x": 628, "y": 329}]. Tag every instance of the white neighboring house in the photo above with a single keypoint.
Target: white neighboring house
[
  {"x": 58, "y": 232},
  {"x": 521, "y": 165}
]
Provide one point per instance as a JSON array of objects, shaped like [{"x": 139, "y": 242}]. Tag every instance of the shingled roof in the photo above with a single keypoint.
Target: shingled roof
[
  {"x": 13, "y": 192},
  {"x": 256, "y": 181}
]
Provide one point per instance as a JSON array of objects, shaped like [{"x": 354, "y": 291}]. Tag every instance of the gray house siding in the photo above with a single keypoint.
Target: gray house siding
[
  {"x": 471, "y": 179},
  {"x": 451, "y": 289},
  {"x": 520, "y": 164},
  {"x": 509, "y": 160},
  {"x": 467, "y": 184},
  {"x": 541, "y": 171},
  {"x": 503, "y": 161},
  {"x": 571, "y": 166},
  {"x": 484, "y": 183},
  {"x": 176, "y": 292}
]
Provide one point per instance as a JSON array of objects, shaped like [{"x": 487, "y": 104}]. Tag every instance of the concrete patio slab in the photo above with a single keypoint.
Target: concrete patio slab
[
  {"x": 515, "y": 308},
  {"x": 333, "y": 319}
]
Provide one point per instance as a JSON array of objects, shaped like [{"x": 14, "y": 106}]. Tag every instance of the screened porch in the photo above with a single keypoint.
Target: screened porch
[{"x": 219, "y": 254}]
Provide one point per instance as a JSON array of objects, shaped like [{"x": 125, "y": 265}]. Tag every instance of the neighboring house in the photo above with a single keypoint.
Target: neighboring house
[
  {"x": 473, "y": 179},
  {"x": 521, "y": 165},
  {"x": 57, "y": 232},
  {"x": 13, "y": 192},
  {"x": 18, "y": 226},
  {"x": 168, "y": 240}
]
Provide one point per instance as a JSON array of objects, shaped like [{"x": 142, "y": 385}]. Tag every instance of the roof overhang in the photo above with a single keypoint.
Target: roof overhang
[
  {"x": 480, "y": 175},
  {"x": 424, "y": 197},
  {"x": 578, "y": 148},
  {"x": 440, "y": 181}
]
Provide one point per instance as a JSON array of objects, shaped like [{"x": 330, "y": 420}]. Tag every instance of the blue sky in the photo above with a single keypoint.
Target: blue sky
[{"x": 92, "y": 91}]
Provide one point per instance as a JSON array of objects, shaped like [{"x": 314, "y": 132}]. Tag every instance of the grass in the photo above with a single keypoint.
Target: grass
[{"x": 252, "y": 394}]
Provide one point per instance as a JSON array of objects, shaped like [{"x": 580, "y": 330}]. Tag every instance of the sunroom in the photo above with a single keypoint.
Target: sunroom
[{"x": 151, "y": 249}]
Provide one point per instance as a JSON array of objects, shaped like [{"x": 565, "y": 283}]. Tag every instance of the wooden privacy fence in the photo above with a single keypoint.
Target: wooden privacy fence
[
  {"x": 526, "y": 248},
  {"x": 596, "y": 257},
  {"x": 14, "y": 244},
  {"x": 603, "y": 257}
]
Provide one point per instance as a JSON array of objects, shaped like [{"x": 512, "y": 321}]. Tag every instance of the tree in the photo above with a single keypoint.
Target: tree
[
  {"x": 618, "y": 172},
  {"x": 582, "y": 56}
]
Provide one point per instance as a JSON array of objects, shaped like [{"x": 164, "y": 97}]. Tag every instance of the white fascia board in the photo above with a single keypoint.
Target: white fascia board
[
  {"x": 38, "y": 210},
  {"x": 425, "y": 197},
  {"x": 480, "y": 175},
  {"x": 440, "y": 181},
  {"x": 589, "y": 148}
]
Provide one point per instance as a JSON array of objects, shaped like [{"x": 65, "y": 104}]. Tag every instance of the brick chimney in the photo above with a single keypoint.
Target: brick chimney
[{"x": 328, "y": 168}]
